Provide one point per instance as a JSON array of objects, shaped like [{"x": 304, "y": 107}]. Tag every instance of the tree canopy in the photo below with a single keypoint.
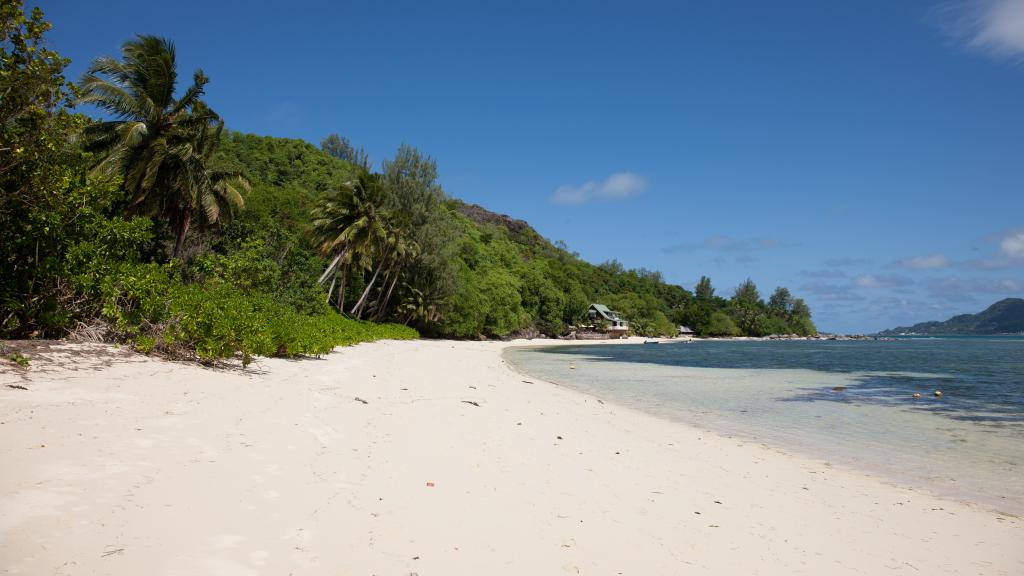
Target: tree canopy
[{"x": 294, "y": 245}]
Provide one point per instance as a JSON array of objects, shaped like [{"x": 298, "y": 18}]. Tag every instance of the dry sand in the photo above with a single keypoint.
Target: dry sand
[{"x": 373, "y": 461}]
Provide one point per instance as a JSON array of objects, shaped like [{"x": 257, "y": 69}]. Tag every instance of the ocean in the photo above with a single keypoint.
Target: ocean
[{"x": 848, "y": 403}]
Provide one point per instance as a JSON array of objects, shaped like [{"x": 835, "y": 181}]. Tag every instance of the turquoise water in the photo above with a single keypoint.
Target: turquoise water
[{"x": 845, "y": 402}]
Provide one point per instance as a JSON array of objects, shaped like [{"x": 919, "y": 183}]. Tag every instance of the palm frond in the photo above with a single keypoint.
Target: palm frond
[{"x": 111, "y": 97}]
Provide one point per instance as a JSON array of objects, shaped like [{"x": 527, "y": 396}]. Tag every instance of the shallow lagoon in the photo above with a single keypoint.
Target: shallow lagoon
[{"x": 845, "y": 402}]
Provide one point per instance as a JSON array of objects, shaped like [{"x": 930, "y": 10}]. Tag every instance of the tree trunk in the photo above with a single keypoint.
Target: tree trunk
[
  {"x": 330, "y": 268},
  {"x": 380, "y": 293},
  {"x": 182, "y": 230},
  {"x": 331, "y": 289},
  {"x": 341, "y": 290},
  {"x": 362, "y": 299},
  {"x": 387, "y": 298}
]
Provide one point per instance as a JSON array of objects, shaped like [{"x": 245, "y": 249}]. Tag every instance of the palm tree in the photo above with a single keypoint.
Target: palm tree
[
  {"x": 405, "y": 250},
  {"x": 395, "y": 249},
  {"x": 157, "y": 142},
  {"x": 216, "y": 192},
  {"x": 350, "y": 226},
  {"x": 420, "y": 307}
]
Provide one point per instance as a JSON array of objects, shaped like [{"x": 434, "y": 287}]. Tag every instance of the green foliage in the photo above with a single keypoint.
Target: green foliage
[
  {"x": 162, "y": 146},
  {"x": 541, "y": 286},
  {"x": 342, "y": 149},
  {"x": 72, "y": 257},
  {"x": 720, "y": 324},
  {"x": 780, "y": 302},
  {"x": 644, "y": 313},
  {"x": 289, "y": 174},
  {"x": 153, "y": 309},
  {"x": 703, "y": 290},
  {"x": 19, "y": 359},
  {"x": 35, "y": 126}
]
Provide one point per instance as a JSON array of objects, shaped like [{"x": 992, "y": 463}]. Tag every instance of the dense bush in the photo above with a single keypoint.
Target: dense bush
[
  {"x": 150, "y": 307},
  {"x": 76, "y": 257}
]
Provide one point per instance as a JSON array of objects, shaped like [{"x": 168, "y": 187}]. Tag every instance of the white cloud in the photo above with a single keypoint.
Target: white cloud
[
  {"x": 1013, "y": 244},
  {"x": 615, "y": 187},
  {"x": 846, "y": 261},
  {"x": 1000, "y": 26},
  {"x": 867, "y": 282},
  {"x": 881, "y": 281},
  {"x": 831, "y": 292},
  {"x": 996, "y": 26},
  {"x": 924, "y": 262},
  {"x": 826, "y": 273}
]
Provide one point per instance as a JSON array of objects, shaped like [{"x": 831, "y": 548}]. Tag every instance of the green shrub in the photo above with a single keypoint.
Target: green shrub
[
  {"x": 19, "y": 359},
  {"x": 719, "y": 324},
  {"x": 150, "y": 307}
]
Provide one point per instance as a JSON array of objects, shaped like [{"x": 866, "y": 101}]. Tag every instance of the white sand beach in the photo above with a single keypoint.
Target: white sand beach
[{"x": 428, "y": 458}]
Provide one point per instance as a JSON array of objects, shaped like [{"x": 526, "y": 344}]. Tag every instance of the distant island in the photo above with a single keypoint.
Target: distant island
[{"x": 1003, "y": 317}]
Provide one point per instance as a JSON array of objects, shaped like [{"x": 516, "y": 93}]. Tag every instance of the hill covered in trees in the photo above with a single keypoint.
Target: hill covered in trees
[
  {"x": 473, "y": 272},
  {"x": 1004, "y": 317},
  {"x": 155, "y": 225}
]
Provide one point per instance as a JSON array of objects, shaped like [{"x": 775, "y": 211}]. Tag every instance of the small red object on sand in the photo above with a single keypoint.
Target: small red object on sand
[{"x": 430, "y": 484}]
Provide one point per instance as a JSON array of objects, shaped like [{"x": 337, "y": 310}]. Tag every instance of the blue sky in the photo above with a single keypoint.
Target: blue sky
[{"x": 868, "y": 155}]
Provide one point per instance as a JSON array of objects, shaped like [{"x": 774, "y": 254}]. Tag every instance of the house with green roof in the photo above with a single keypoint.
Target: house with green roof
[{"x": 615, "y": 325}]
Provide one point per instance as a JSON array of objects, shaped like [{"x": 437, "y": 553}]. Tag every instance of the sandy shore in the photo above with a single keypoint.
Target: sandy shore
[{"x": 429, "y": 458}]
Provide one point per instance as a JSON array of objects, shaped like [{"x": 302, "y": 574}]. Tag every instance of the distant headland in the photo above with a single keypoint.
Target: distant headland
[{"x": 1004, "y": 317}]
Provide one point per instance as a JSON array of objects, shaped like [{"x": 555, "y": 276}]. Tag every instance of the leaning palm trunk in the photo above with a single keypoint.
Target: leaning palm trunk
[
  {"x": 357, "y": 309},
  {"x": 332, "y": 267},
  {"x": 331, "y": 289},
  {"x": 380, "y": 293},
  {"x": 341, "y": 290},
  {"x": 387, "y": 298}
]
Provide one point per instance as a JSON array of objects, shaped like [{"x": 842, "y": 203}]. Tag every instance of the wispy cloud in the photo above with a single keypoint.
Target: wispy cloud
[
  {"x": 955, "y": 288},
  {"x": 846, "y": 261},
  {"x": 1012, "y": 244},
  {"x": 881, "y": 281},
  {"x": 827, "y": 273},
  {"x": 995, "y": 26},
  {"x": 1010, "y": 254},
  {"x": 895, "y": 310},
  {"x": 931, "y": 262},
  {"x": 615, "y": 187},
  {"x": 722, "y": 243},
  {"x": 826, "y": 291}
]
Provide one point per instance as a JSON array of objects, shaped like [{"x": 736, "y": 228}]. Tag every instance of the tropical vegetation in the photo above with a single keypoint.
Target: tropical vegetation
[{"x": 154, "y": 224}]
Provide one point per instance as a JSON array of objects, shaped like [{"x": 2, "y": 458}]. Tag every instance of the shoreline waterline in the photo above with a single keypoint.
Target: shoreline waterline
[{"x": 841, "y": 418}]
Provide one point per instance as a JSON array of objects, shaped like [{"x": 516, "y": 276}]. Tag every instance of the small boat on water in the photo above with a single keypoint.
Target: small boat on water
[{"x": 651, "y": 342}]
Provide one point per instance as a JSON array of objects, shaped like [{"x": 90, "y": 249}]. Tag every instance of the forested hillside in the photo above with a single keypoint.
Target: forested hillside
[
  {"x": 153, "y": 224},
  {"x": 1003, "y": 317},
  {"x": 482, "y": 274}
]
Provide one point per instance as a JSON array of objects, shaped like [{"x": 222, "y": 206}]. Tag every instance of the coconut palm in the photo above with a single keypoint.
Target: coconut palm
[
  {"x": 395, "y": 250},
  {"x": 154, "y": 140},
  {"x": 209, "y": 192},
  {"x": 405, "y": 251},
  {"x": 420, "y": 307},
  {"x": 350, "y": 227}
]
